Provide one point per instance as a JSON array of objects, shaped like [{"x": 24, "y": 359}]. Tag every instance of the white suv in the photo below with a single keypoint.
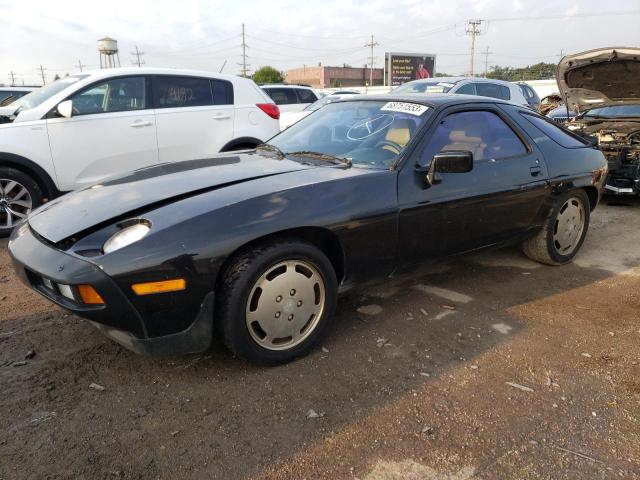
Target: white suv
[
  {"x": 83, "y": 128},
  {"x": 291, "y": 98}
]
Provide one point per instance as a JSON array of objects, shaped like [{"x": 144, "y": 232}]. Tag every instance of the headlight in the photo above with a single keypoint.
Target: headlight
[{"x": 126, "y": 236}]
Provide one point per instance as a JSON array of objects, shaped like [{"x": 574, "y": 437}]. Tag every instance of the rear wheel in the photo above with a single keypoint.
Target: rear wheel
[
  {"x": 275, "y": 301},
  {"x": 19, "y": 194},
  {"x": 564, "y": 231}
]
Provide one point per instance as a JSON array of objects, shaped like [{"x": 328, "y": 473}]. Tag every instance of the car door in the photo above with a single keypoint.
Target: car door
[
  {"x": 305, "y": 97},
  {"x": 194, "y": 116},
  {"x": 497, "y": 200},
  {"x": 112, "y": 129}
]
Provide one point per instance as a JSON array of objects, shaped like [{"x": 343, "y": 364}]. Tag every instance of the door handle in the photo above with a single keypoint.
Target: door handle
[
  {"x": 535, "y": 171},
  {"x": 139, "y": 124},
  {"x": 221, "y": 116}
]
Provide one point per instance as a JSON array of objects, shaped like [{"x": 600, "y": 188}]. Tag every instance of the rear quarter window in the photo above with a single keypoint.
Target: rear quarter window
[
  {"x": 554, "y": 132},
  {"x": 306, "y": 96},
  {"x": 282, "y": 96}
]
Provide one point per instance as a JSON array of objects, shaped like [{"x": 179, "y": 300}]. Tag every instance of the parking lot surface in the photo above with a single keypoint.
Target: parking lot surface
[{"x": 488, "y": 366}]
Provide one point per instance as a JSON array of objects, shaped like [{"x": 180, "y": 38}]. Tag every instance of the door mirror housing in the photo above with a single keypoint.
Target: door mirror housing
[
  {"x": 65, "y": 109},
  {"x": 458, "y": 161}
]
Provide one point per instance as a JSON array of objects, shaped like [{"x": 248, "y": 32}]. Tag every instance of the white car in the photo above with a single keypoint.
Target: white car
[
  {"x": 289, "y": 118},
  {"x": 291, "y": 98},
  {"x": 483, "y": 87},
  {"x": 83, "y": 128}
]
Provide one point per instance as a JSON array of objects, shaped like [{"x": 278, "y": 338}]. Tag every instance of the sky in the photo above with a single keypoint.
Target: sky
[{"x": 204, "y": 34}]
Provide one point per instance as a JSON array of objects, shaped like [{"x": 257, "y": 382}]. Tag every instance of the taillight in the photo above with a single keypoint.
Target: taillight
[{"x": 270, "y": 109}]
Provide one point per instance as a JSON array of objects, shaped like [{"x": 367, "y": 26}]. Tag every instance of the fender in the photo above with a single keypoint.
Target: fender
[
  {"x": 240, "y": 141},
  {"x": 45, "y": 182}
]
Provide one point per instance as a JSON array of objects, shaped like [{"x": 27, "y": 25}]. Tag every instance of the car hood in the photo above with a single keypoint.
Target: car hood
[
  {"x": 135, "y": 192},
  {"x": 597, "y": 78}
]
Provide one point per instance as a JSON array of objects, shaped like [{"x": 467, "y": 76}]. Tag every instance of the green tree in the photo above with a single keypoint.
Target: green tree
[
  {"x": 267, "y": 75},
  {"x": 538, "y": 71}
]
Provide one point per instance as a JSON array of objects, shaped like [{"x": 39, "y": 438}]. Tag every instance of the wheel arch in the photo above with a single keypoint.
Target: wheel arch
[
  {"x": 322, "y": 238},
  {"x": 592, "y": 193},
  {"x": 249, "y": 142},
  {"x": 45, "y": 182}
]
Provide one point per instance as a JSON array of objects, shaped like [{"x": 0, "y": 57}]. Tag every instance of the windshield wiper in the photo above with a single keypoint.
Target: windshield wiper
[
  {"x": 322, "y": 156},
  {"x": 270, "y": 148}
]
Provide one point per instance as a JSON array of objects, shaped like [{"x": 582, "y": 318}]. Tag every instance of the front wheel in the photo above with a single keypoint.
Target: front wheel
[
  {"x": 275, "y": 301},
  {"x": 564, "y": 231},
  {"x": 19, "y": 194}
]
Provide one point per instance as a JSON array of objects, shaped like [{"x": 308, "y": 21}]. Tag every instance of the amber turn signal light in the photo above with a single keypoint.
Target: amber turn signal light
[
  {"x": 89, "y": 295},
  {"x": 164, "y": 286}
]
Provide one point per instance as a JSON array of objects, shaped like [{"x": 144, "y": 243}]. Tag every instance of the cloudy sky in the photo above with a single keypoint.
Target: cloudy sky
[{"x": 203, "y": 34}]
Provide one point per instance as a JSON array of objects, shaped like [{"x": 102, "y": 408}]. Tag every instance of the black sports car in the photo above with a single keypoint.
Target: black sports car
[{"x": 254, "y": 246}]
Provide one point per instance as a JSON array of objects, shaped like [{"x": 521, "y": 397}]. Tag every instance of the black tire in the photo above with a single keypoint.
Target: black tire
[
  {"x": 34, "y": 192},
  {"x": 542, "y": 247},
  {"x": 237, "y": 283}
]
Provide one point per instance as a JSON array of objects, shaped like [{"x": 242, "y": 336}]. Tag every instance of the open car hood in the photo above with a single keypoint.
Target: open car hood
[{"x": 599, "y": 78}]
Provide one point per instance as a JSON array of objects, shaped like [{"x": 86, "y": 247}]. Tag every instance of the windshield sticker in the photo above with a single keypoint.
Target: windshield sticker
[
  {"x": 410, "y": 108},
  {"x": 446, "y": 84}
]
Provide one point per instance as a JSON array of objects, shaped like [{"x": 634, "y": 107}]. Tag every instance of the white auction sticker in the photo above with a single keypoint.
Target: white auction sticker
[{"x": 404, "y": 107}]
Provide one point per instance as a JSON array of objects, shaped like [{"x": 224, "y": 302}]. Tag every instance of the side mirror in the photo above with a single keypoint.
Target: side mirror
[
  {"x": 448, "y": 162},
  {"x": 65, "y": 108}
]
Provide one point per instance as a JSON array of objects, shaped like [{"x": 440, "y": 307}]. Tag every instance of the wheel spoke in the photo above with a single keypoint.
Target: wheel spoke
[
  {"x": 9, "y": 186},
  {"x": 21, "y": 203},
  {"x": 9, "y": 219},
  {"x": 20, "y": 194},
  {"x": 17, "y": 214}
]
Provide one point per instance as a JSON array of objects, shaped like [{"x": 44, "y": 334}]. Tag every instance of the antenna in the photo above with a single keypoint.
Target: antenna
[{"x": 473, "y": 29}]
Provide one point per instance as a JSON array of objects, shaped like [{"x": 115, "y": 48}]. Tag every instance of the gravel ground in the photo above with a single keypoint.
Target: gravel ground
[{"x": 486, "y": 367}]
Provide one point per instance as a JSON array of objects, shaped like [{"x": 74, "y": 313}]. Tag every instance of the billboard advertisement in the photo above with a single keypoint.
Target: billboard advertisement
[{"x": 404, "y": 67}]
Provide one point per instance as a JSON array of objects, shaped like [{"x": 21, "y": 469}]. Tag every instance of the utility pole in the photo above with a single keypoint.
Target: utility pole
[
  {"x": 371, "y": 59},
  {"x": 80, "y": 65},
  {"x": 137, "y": 61},
  {"x": 244, "y": 63},
  {"x": 42, "y": 74},
  {"x": 13, "y": 78},
  {"x": 473, "y": 29},
  {"x": 486, "y": 61}
]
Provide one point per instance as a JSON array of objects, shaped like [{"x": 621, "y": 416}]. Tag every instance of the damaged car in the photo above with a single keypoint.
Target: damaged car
[{"x": 603, "y": 87}]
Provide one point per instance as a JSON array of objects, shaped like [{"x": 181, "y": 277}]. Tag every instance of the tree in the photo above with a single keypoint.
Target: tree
[
  {"x": 57, "y": 77},
  {"x": 267, "y": 75},
  {"x": 538, "y": 71}
]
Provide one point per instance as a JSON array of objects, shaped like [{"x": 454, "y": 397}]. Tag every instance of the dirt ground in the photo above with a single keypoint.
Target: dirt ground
[{"x": 534, "y": 375}]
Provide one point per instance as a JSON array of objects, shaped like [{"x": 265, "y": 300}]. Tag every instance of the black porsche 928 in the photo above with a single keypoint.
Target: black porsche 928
[{"x": 255, "y": 246}]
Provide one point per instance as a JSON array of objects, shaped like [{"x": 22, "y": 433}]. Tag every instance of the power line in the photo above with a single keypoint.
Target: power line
[
  {"x": 371, "y": 59},
  {"x": 42, "y": 74},
  {"x": 473, "y": 29},
  {"x": 244, "y": 55},
  {"x": 137, "y": 61}
]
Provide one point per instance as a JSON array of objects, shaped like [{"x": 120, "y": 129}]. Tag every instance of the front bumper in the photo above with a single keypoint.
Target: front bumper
[{"x": 37, "y": 264}]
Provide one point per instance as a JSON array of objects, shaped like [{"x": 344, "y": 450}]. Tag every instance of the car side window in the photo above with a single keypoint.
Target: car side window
[
  {"x": 222, "y": 92},
  {"x": 282, "y": 96},
  {"x": 175, "y": 91},
  {"x": 115, "y": 95},
  {"x": 305, "y": 96},
  {"x": 467, "y": 89},
  {"x": 554, "y": 132},
  {"x": 493, "y": 90},
  {"x": 480, "y": 132}
]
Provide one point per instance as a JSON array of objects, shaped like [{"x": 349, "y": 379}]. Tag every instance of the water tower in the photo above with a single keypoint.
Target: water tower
[{"x": 109, "y": 57}]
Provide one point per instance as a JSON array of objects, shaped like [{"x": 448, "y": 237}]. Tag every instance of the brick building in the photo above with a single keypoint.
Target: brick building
[{"x": 328, "y": 77}]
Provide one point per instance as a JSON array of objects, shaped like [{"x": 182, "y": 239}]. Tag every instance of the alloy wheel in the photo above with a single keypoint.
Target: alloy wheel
[
  {"x": 285, "y": 305},
  {"x": 15, "y": 202}
]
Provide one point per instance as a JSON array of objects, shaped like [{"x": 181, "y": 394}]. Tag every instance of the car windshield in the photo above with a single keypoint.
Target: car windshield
[
  {"x": 365, "y": 132},
  {"x": 40, "y": 95},
  {"x": 425, "y": 87},
  {"x": 321, "y": 103},
  {"x": 615, "y": 111}
]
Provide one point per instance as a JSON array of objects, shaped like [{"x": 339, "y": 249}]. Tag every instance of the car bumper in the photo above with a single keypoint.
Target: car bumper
[{"x": 39, "y": 265}]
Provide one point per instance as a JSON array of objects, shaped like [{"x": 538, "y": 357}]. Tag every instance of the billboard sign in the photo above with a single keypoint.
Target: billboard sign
[{"x": 404, "y": 67}]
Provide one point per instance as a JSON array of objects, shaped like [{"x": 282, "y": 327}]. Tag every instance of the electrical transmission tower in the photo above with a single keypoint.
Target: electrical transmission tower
[
  {"x": 473, "y": 29},
  {"x": 137, "y": 61},
  {"x": 486, "y": 61},
  {"x": 371, "y": 44},
  {"x": 244, "y": 65},
  {"x": 42, "y": 69},
  {"x": 13, "y": 77}
]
